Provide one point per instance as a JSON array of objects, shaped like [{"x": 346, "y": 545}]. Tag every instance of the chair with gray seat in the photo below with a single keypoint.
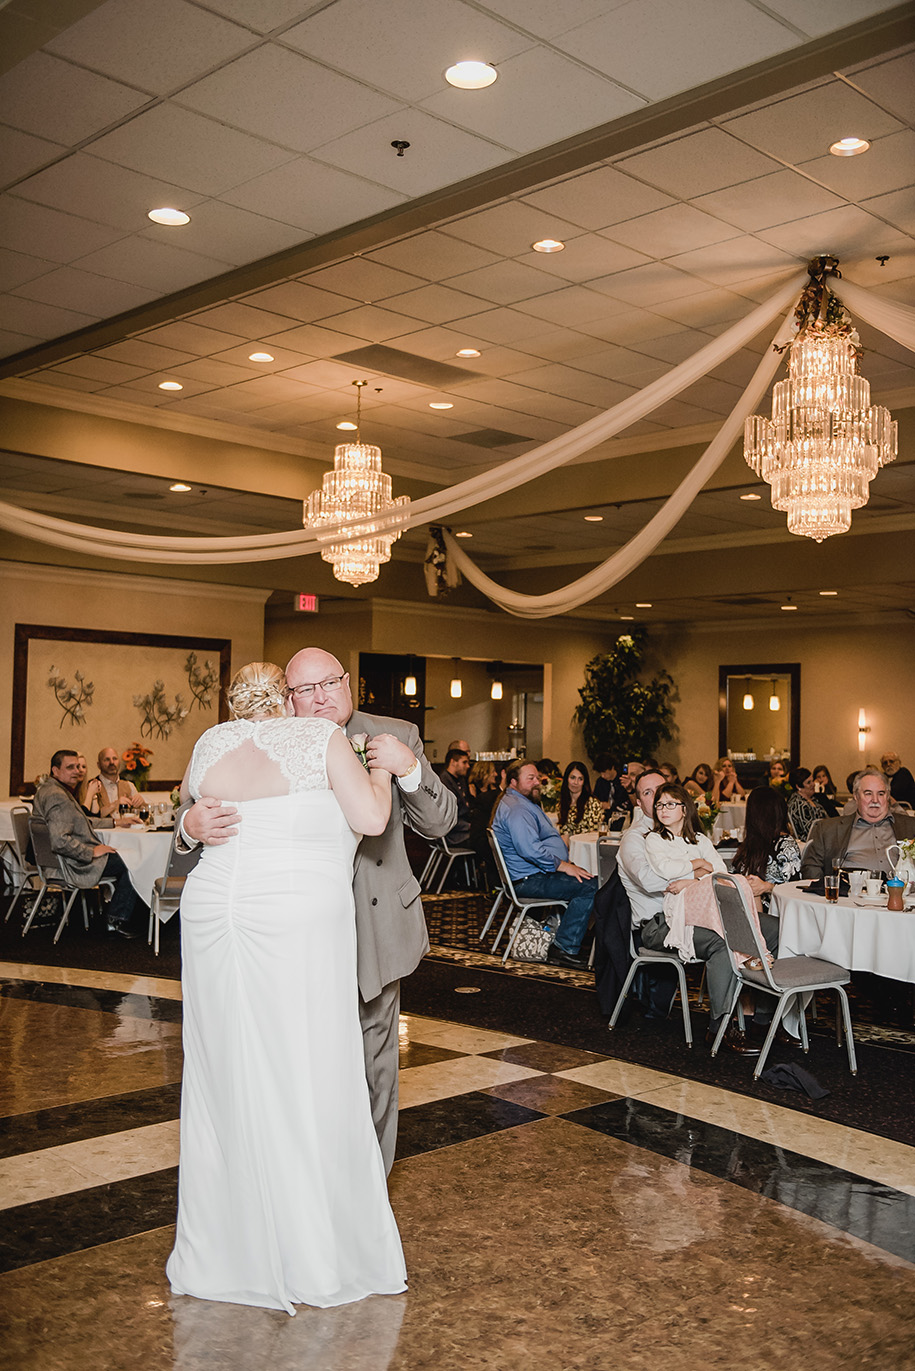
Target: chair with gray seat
[
  {"x": 788, "y": 978},
  {"x": 446, "y": 857},
  {"x": 645, "y": 957},
  {"x": 53, "y": 879},
  {"x": 26, "y": 873},
  {"x": 168, "y": 888},
  {"x": 519, "y": 904}
]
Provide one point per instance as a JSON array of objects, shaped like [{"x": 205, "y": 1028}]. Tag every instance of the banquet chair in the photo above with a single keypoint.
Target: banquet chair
[
  {"x": 447, "y": 856},
  {"x": 168, "y": 888},
  {"x": 53, "y": 879},
  {"x": 27, "y": 872},
  {"x": 645, "y": 957},
  {"x": 788, "y": 978},
  {"x": 521, "y": 903},
  {"x": 608, "y": 851}
]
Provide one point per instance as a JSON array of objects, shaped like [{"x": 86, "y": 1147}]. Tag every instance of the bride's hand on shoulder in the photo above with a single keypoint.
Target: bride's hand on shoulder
[{"x": 387, "y": 753}]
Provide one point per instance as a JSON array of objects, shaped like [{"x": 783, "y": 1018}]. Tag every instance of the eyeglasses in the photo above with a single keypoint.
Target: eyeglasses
[
  {"x": 669, "y": 804},
  {"x": 305, "y": 692}
]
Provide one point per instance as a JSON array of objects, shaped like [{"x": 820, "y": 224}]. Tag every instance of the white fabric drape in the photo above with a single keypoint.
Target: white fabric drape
[
  {"x": 896, "y": 320},
  {"x": 498, "y": 481},
  {"x": 627, "y": 558}
]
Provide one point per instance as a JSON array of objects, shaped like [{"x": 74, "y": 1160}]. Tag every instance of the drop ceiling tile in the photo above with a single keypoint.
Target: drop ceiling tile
[
  {"x": 146, "y": 356},
  {"x": 22, "y": 153},
  {"x": 712, "y": 394},
  {"x": 650, "y": 284},
  {"x": 711, "y": 307},
  {"x": 177, "y": 145},
  {"x": 629, "y": 327},
  {"x": 298, "y": 300},
  {"x": 510, "y": 228},
  {"x": 803, "y": 126},
  {"x": 282, "y": 357},
  {"x": 188, "y": 337},
  {"x": 435, "y": 304},
  {"x": 432, "y": 255},
  {"x": 65, "y": 381},
  {"x": 401, "y": 46},
  {"x": 53, "y": 99},
  {"x": 505, "y": 283},
  {"x": 312, "y": 197},
  {"x": 668, "y": 231},
  {"x": 85, "y": 185},
  {"x": 889, "y": 165},
  {"x": 578, "y": 385},
  {"x": 18, "y": 267},
  {"x": 513, "y": 111},
  {"x": 439, "y": 154},
  {"x": 620, "y": 364},
  {"x": 847, "y": 231},
  {"x": 769, "y": 200},
  {"x": 891, "y": 84},
  {"x": 739, "y": 259},
  {"x": 699, "y": 163},
  {"x": 37, "y": 320},
  {"x": 149, "y": 385},
  {"x": 159, "y": 267},
  {"x": 575, "y": 306},
  {"x": 235, "y": 236},
  {"x": 544, "y": 17},
  {"x": 587, "y": 256},
  {"x": 441, "y": 345},
  {"x": 308, "y": 103},
  {"x": 100, "y": 369},
  {"x": 314, "y": 340},
  {"x": 86, "y": 291},
  {"x": 214, "y": 373},
  {"x": 241, "y": 318},
  {"x": 359, "y": 279},
  {"x": 702, "y": 40},
  {"x": 558, "y": 345},
  {"x": 499, "y": 326},
  {"x": 41, "y": 232},
  {"x": 155, "y": 47},
  {"x": 898, "y": 208},
  {"x": 329, "y": 376},
  {"x": 261, "y": 15},
  {"x": 596, "y": 199},
  {"x": 369, "y": 322}
]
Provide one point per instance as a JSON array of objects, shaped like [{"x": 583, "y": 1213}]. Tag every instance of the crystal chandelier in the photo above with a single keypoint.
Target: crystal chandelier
[
  {"x": 356, "y": 488},
  {"x": 825, "y": 441}
]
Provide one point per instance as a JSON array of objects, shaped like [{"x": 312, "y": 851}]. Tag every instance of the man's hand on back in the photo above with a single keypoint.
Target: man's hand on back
[{"x": 211, "y": 822}]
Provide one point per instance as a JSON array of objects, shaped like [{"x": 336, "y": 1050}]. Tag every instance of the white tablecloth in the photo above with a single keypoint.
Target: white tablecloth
[
  {"x": 878, "y": 940},
  {"x": 6, "y": 819},
  {"x": 733, "y": 815},
  {"x": 144, "y": 854},
  {"x": 583, "y": 850}
]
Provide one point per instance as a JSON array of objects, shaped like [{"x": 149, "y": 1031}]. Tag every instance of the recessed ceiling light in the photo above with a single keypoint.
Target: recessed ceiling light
[
  {"x": 345, "y": 423},
  {"x": 441, "y": 404},
  {"x": 629, "y": 618},
  {"x": 789, "y": 606},
  {"x": 849, "y": 147},
  {"x": 594, "y": 518},
  {"x": 463, "y": 534},
  {"x": 171, "y": 218},
  {"x": 467, "y": 352},
  {"x": 643, "y": 604},
  {"x": 179, "y": 485},
  {"x": 260, "y": 356},
  {"x": 829, "y": 592},
  {"x": 471, "y": 75},
  {"x": 751, "y": 496},
  {"x": 170, "y": 385},
  {"x": 548, "y": 245}
]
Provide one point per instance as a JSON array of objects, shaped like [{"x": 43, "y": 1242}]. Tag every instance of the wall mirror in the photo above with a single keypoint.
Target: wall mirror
[{"x": 759, "y": 712}]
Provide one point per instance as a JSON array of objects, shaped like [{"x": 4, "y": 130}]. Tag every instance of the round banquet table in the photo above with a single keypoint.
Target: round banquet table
[
  {"x": 861, "y": 939},
  {"x": 145, "y": 854},
  {"x": 583, "y": 850}
]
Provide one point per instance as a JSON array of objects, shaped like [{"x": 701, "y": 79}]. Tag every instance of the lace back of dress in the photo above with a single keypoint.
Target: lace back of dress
[{"x": 254, "y": 759}]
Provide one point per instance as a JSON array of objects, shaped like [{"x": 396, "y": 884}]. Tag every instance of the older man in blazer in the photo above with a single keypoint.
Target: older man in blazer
[
  {"x": 859, "y": 839},
  {"x": 391, "y": 936}
]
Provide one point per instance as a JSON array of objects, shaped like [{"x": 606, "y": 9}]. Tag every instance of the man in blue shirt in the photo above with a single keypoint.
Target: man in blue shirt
[{"x": 538, "y": 862}]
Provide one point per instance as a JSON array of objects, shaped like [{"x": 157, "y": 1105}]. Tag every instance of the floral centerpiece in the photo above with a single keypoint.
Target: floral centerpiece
[
  {"x": 708, "y": 812},
  {"x": 549, "y": 794},
  {"x": 136, "y": 765}
]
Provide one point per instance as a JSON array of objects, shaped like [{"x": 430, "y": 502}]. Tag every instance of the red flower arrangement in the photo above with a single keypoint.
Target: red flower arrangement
[{"x": 136, "y": 764}]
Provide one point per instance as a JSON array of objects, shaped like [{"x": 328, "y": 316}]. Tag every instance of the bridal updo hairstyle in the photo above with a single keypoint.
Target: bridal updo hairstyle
[{"x": 258, "y": 689}]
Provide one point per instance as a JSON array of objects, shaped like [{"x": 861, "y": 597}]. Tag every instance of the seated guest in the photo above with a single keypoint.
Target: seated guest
[
  {"x": 701, "y": 781},
  {"x": 860, "y": 839},
  {"x": 825, "y": 790},
  {"x": 106, "y": 792},
  {"x": 84, "y": 859},
  {"x": 676, "y": 847},
  {"x": 579, "y": 811},
  {"x": 82, "y": 785},
  {"x": 537, "y": 861},
  {"x": 768, "y": 855},
  {"x": 725, "y": 783},
  {"x": 775, "y": 774},
  {"x": 629, "y": 775},
  {"x": 483, "y": 783},
  {"x": 608, "y": 788},
  {"x": 483, "y": 779},
  {"x": 548, "y": 769},
  {"x": 669, "y": 772},
  {"x": 902, "y": 783},
  {"x": 803, "y": 807},
  {"x": 454, "y": 778}
]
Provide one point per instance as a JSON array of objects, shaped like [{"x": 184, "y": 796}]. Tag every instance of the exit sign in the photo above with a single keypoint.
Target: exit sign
[{"x": 306, "y": 604}]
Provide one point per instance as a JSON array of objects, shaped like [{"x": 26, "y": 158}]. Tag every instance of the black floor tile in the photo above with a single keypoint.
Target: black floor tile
[
  {"x": 127, "y": 1006},
  {"x": 441, "y": 1123},
  {"x": 69, "y": 1123}
]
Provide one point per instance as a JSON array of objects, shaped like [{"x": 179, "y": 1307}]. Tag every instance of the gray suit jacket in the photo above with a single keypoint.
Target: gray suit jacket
[
  {"x": 72, "y": 836},
  {"x": 829, "y": 839},
  {"x": 391, "y": 936}
]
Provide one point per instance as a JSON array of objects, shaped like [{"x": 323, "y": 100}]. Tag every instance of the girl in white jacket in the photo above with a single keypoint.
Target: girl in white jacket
[{"x": 677, "y": 849}]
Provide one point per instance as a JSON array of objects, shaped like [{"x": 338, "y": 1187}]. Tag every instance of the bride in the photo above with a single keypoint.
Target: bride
[{"x": 282, "y": 1197}]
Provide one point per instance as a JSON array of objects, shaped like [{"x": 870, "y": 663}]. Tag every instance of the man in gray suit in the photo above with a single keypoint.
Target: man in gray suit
[
  {"x": 391, "y": 936},
  {"x": 859, "y": 839},
  {"x": 84, "y": 860}
]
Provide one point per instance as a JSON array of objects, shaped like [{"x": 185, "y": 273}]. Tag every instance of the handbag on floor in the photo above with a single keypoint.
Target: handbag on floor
[{"x": 533, "y": 940}]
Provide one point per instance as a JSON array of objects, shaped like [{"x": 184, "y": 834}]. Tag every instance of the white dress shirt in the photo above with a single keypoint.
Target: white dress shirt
[{"x": 641, "y": 882}]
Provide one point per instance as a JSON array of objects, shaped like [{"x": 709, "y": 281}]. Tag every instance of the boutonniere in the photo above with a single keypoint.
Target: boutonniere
[{"x": 359, "y": 742}]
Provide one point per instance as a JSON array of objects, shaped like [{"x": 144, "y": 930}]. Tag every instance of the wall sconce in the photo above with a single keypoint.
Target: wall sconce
[
  {"x": 496, "y": 691},
  {"x": 409, "y": 685},
  {"x": 748, "y": 701},
  {"x": 775, "y": 703},
  {"x": 457, "y": 685},
  {"x": 863, "y": 730}
]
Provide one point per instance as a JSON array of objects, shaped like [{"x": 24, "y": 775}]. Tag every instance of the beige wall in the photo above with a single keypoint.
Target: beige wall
[
  {"x": 842, "y": 670},
  {"x": 98, "y": 600}
]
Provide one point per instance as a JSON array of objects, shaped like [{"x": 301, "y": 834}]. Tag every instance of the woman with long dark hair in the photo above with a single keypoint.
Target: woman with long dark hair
[
  {"x": 768, "y": 855},
  {"x": 579, "y": 811},
  {"x": 825, "y": 790},
  {"x": 701, "y": 781}
]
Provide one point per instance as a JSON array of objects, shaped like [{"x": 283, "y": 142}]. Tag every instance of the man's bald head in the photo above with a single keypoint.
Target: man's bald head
[{"x": 331, "y": 697}]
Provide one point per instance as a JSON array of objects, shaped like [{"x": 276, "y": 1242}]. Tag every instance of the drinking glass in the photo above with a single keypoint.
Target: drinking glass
[{"x": 831, "y": 884}]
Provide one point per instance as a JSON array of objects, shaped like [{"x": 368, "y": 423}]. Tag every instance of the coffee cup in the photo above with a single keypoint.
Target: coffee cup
[{"x": 873, "y": 884}]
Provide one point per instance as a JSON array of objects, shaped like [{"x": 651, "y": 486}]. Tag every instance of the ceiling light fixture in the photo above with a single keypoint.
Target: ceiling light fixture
[
  {"x": 457, "y": 686},
  {"x": 849, "y": 147},
  {"x": 825, "y": 442},
  {"x": 788, "y": 607},
  {"x": 179, "y": 485},
  {"x": 748, "y": 701},
  {"x": 347, "y": 426},
  {"x": 643, "y": 604},
  {"x": 829, "y": 592},
  {"x": 440, "y": 404},
  {"x": 471, "y": 75},
  {"x": 467, "y": 352},
  {"x": 409, "y": 685},
  {"x": 548, "y": 245},
  {"x": 357, "y": 487},
  {"x": 751, "y": 496},
  {"x": 594, "y": 518},
  {"x": 169, "y": 218},
  {"x": 775, "y": 703},
  {"x": 260, "y": 356},
  {"x": 495, "y": 691},
  {"x": 170, "y": 385},
  {"x": 627, "y": 618},
  {"x": 463, "y": 534}
]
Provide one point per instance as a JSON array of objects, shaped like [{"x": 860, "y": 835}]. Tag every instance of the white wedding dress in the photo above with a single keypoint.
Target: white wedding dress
[{"x": 282, "y": 1197}]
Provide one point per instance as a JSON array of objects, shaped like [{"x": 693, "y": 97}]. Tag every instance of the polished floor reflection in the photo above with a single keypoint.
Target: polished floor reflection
[{"x": 559, "y": 1208}]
